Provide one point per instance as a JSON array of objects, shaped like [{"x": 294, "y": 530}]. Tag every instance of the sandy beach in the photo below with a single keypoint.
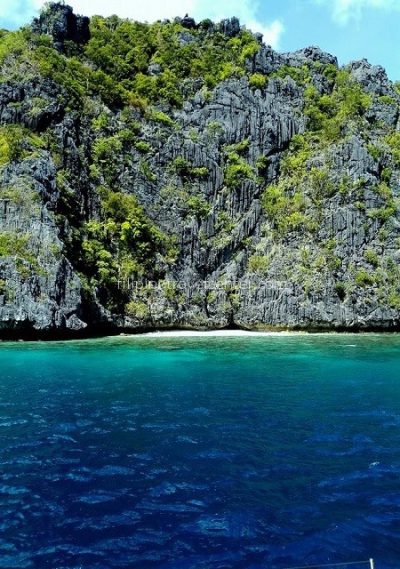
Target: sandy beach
[{"x": 214, "y": 333}]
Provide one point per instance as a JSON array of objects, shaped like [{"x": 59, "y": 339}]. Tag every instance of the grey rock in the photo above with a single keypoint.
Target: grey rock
[
  {"x": 309, "y": 54},
  {"x": 372, "y": 77},
  {"x": 154, "y": 69},
  {"x": 43, "y": 291},
  {"x": 188, "y": 23},
  {"x": 229, "y": 27},
  {"x": 266, "y": 61},
  {"x": 59, "y": 21},
  {"x": 186, "y": 38},
  {"x": 33, "y": 104}
]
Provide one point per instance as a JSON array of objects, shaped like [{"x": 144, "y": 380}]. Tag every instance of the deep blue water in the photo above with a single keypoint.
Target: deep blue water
[{"x": 203, "y": 453}]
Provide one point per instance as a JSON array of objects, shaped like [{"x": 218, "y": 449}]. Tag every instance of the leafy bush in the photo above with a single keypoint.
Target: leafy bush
[
  {"x": 160, "y": 117},
  {"x": 13, "y": 45},
  {"x": 301, "y": 75},
  {"x": 320, "y": 183},
  {"x": 330, "y": 114},
  {"x": 240, "y": 147},
  {"x": 236, "y": 173},
  {"x": 106, "y": 153},
  {"x": 384, "y": 191},
  {"x": 393, "y": 140},
  {"x": 11, "y": 144},
  {"x": 201, "y": 172},
  {"x": 257, "y": 81},
  {"x": 294, "y": 163},
  {"x": 258, "y": 264},
  {"x": 383, "y": 213},
  {"x": 17, "y": 246},
  {"x": 374, "y": 151},
  {"x": 137, "y": 309},
  {"x": 145, "y": 169},
  {"x": 371, "y": 257},
  {"x": 143, "y": 146},
  {"x": 363, "y": 278},
  {"x": 387, "y": 100},
  {"x": 262, "y": 164},
  {"x": 198, "y": 207},
  {"x": 274, "y": 202},
  {"x": 340, "y": 289},
  {"x": 14, "y": 245},
  {"x": 181, "y": 166},
  {"x": 237, "y": 169},
  {"x": 393, "y": 300},
  {"x": 285, "y": 211},
  {"x": 121, "y": 245},
  {"x": 17, "y": 143}
]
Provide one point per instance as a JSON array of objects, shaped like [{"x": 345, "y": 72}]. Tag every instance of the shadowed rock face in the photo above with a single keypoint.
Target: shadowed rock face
[
  {"x": 59, "y": 21},
  {"x": 274, "y": 222}
]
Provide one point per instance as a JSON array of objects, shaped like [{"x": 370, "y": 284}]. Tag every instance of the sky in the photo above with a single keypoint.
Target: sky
[{"x": 349, "y": 29}]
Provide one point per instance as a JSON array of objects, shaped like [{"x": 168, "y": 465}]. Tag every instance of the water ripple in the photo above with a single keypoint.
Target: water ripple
[{"x": 238, "y": 454}]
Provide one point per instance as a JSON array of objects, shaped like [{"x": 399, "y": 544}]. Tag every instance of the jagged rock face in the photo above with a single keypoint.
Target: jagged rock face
[
  {"x": 17, "y": 103},
  {"x": 274, "y": 222},
  {"x": 63, "y": 25},
  {"x": 372, "y": 77},
  {"x": 43, "y": 292}
]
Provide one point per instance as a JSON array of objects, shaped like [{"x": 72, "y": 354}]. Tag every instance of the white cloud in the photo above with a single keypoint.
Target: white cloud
[
  {"x": 343, "y": 11},
  {"x": 271, "y": 32},
  {"x": 151, "y": 10}
]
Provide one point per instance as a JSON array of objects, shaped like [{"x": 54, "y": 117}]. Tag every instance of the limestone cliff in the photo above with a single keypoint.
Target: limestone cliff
[{"x": 184, "y": 174}]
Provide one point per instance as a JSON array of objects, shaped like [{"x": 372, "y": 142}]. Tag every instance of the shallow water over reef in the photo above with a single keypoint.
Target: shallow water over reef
[{"x": 178, "y": 453}]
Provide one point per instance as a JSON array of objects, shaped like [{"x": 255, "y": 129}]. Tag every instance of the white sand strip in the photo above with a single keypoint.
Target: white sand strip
[{"x": 212, "y": 333}]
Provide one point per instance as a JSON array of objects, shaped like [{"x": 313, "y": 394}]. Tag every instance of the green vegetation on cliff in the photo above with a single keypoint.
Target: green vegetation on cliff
[{"x": 182, "y": 152}]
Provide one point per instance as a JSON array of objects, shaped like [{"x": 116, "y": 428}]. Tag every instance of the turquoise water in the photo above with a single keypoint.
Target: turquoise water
[{"x": 265, "y": 452}]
